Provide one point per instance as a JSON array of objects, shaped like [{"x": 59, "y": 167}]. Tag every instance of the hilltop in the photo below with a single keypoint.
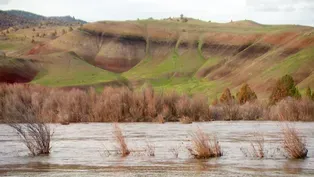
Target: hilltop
[
  {"x": 12, "y": 18},
  {"x": 188, "y": 55}
]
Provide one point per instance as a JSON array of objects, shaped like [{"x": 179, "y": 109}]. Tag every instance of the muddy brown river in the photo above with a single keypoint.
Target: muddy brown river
[{"x": 90, "y": 150}]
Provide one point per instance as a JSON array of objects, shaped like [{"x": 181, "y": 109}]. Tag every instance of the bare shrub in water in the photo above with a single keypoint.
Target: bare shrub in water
[
  {"x": 257, "y": 146},
  {"x": 23, "y": 113},
  {"x": 204, "y": 146},
  {"x": 175, "y": 151},
  {"x": 256, "y": 149},
  {"x": 35, "y": 135},
  {"x": 293, "y": 144},
  {"x": 118, "y": 135},
  {"x": 150, "y": 149}
]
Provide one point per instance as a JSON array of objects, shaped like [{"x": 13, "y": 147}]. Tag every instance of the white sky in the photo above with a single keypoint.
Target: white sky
[{"x": 262, "y": 11}]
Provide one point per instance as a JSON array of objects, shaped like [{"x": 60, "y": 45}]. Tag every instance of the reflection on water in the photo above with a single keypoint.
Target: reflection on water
[
  {"x": 82, "y": 149},
  {"x": 294, "y": 166}
]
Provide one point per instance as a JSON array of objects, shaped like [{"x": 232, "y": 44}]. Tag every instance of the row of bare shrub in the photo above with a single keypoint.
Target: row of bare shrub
[
  {"x": 293, "y": 145},
  {"x": 290, "y": 108},
  {"x": 234, "y": 111},
  {"x": 125, "y": 105},
  {"x": 112, "y": 105},
  {"x": 205, "y": 146}
]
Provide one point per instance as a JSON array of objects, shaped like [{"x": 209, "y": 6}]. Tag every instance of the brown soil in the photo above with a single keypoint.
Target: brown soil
[
  {"x": 117, "y": 65},
  {"x": 23, "y": 73}
]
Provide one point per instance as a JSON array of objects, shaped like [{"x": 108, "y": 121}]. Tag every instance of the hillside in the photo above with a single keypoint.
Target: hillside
[
  {"x": 67, "y": 69},
  {"x": 17, "y": 18},
  {"x": 17, "y": 70},
  {"x": 193, "y": 56}
]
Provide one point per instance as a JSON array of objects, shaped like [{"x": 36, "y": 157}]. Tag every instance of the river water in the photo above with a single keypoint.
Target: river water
[{"x": 90, "y": 150}]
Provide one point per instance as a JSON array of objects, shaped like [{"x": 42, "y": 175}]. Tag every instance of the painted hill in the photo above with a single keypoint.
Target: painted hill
[{"x": 191, "y": 56}]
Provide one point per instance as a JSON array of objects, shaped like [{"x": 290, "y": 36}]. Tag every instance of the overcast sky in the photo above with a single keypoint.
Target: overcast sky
[{"x": 262, "y": 11}]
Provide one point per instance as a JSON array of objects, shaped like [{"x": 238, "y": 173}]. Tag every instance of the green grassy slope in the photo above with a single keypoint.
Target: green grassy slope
[
  {"x": 292, "y": 64},
  {"x": 66, "y": 69},
  {"x": 170, "y": 66}
]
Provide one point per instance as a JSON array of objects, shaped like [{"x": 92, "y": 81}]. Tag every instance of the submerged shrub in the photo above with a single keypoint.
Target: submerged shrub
[
  {"x": 256, "y": 149},
  {"x": 150, "y": 149},
  {"x": 23, "y": 112},
  {"x": 204, "y": 146},
  {"x": 293, "y": 144},
  {"x": 118, "y": 135},
  {"x": 284, "y": 87},
  {"x": 35, "y": 135}
]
